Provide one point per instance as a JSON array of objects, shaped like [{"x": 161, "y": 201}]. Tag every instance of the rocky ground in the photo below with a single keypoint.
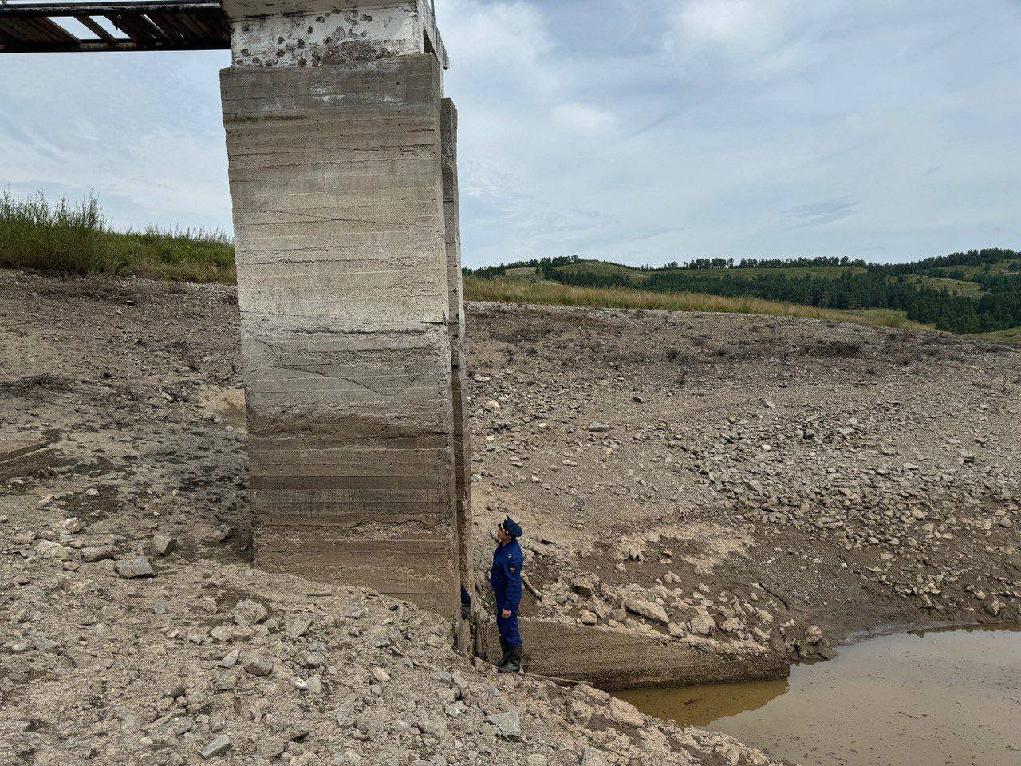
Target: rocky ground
[
  {"x": 727, "y": 482},
  {"x": 132, "y": 629},
  {"x": 745, "y": 483}
]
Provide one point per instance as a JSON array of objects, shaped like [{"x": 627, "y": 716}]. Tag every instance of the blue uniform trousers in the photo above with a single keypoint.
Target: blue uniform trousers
[{"x": 508, "y": 627}]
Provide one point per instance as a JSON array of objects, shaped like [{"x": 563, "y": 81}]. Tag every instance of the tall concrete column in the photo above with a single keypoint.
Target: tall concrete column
[
  {"x": 455, "y": 283},
  {"x": 338, "y": 140}
]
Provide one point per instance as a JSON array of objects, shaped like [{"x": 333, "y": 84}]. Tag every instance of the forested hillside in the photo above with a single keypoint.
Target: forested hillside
[{"x": 977, "y": 291}]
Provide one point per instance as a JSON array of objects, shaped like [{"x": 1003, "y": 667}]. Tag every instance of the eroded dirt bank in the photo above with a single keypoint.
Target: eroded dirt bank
[{"x": 734, "y": 488}]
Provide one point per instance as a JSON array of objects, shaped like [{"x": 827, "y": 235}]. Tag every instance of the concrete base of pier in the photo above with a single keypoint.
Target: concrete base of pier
[{"x": 349, "y": 288}]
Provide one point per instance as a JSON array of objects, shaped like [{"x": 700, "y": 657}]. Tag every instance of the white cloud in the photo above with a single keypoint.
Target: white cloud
[
  {"x": 646, "y": 130},
  {"x": 505, "y": 39},
  {"x": 745, "y": 24},
  {"x": 583, "y": 118}
]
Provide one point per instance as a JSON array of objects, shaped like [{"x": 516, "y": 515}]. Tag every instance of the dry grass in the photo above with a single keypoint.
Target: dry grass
[
  {"x": 73, "y": 237},
  {"x": 548, "y": 293}
]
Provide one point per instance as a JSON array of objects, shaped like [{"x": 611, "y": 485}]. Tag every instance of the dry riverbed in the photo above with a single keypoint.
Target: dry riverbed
[
  {"x": 132, "y": 629},
  {"x": 749, "y": 486},
  {"x": 736, "y": 485}
]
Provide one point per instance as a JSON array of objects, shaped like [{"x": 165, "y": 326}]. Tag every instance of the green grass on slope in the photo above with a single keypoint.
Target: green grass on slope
[
  {"x": 953, "y": 286},
  {"x": 1013, "y": 335},
  {"x": 552, "y": 293},
  {"x": 829, "y": 272},
  {"x": 603, "y": 267},
  {"x": 1006, "y": 266},
  {"x": 73, "y": 237},
  {"x": 524, "y": 273}
]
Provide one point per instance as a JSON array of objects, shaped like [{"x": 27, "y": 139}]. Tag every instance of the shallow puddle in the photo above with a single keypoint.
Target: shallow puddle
[{"x": 946, "y": 697}]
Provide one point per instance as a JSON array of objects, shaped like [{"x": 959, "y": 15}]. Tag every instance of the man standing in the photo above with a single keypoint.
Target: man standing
[{"x": 506, "y": 581}]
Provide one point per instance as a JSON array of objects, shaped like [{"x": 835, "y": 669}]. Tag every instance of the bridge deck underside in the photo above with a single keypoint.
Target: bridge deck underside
[{"x": 96, "y": 27}]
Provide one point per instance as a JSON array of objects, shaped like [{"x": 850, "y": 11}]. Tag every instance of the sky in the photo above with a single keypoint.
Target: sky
[{"x": 639, "y": 131}]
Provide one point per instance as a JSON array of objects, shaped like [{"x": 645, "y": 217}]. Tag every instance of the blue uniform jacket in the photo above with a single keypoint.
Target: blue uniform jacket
[{"x": 505, "y": 576}]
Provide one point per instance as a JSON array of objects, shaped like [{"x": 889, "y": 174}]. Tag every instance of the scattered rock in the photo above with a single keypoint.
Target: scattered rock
[
  {"x": 215, "y": 747},
  {"x": 647, "y": 609},
  {"x": 137, "y": 566},
  {"x": 53, "y": 550},
  {"x": 93, "y": 553},
  {"x": 702, "y": 625},
  {"x": 163, "y": 544},
  {"x": 248, "y": 612},
  {"x": 508, "y": 724},
  {"x": 226, "y": 681},
  {"x": 625, "y": 713},
  {"x": 259, "y": 664},
  {"x": 298, "y": 626},
  {"x": 230, "y": 659},
  {"x": 583, "y": 588},
  {"x": 72, "y": 526},
  {"x": 592, "y": 756}
]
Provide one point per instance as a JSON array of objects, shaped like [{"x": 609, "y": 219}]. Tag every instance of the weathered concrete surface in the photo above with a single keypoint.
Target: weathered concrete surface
[
  {"x": 458, "y": 352},
  {"x": 270, "y": 33},
  {"x": 22, "y": 455},
  {"x": 612, "y": 659},
  {"x": 343, "y": 284}
]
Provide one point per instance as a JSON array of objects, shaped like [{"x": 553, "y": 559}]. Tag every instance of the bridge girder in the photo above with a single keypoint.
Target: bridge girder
[{"x": 151, "y": 25}]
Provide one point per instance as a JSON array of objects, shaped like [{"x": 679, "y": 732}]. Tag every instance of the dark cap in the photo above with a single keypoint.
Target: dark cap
[{"x": 511, "y": 527}]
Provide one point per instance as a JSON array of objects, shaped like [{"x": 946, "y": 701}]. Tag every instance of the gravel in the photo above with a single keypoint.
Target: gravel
[
  {"x": 759, "y": 481},
  {"x": 211, "y": 660},
  {"x": 729, "y": 481}
]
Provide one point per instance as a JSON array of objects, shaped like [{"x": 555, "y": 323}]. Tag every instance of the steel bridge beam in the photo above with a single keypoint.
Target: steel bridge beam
[{"x": 139, "y": 26}]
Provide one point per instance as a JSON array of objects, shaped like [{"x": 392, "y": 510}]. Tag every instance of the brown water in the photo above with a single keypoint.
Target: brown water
[{"x": 947, "y": 697}]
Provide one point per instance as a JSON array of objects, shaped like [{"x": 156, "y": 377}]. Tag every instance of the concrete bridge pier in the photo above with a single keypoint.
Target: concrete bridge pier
[{"x": 342, "y": 171}]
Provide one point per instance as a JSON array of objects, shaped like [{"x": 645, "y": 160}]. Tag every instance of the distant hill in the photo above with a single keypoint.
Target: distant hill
[{"x": 978, "y": 291}]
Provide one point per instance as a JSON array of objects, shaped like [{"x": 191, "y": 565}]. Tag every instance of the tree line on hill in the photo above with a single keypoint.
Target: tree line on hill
[
  {"x": 546, "y": 266},
  {"x": 899, "y": 287},
  {"x": 711, "y": 264}
]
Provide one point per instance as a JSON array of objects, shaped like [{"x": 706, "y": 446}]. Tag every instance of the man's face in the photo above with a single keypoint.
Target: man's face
[{"x": 501, "y": 536}]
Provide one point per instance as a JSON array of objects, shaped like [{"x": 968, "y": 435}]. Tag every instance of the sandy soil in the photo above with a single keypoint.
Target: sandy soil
[{"x": 721, "y": 481}]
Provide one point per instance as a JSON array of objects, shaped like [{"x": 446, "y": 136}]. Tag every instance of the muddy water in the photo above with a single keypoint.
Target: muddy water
[{"x": 950, "y": 697}]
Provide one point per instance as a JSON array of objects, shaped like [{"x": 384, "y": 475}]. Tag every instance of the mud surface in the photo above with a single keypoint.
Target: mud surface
[{"x": 950, "y": 698}]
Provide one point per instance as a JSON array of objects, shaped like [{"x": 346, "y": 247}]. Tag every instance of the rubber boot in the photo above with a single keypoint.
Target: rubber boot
[
  {"x": 513, "y": 664},
  {"x": 506, "y": 654}
]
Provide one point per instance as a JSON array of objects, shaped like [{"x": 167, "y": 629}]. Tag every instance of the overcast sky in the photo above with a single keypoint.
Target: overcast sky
[{"x": 641, "y": 131}]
